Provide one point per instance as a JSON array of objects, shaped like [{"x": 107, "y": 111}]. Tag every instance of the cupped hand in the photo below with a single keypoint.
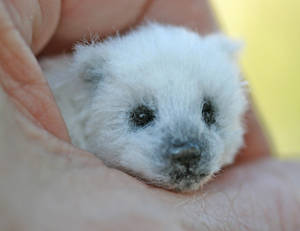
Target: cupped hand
[{"x": 45, "y": 183}]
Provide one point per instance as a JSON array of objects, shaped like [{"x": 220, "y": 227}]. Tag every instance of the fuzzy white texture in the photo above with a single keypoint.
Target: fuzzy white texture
[{"x": 171, "y": 70}]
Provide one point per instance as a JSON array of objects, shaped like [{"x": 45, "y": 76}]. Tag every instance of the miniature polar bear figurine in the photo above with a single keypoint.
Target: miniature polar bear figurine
[{"x": 161, "y": 103}]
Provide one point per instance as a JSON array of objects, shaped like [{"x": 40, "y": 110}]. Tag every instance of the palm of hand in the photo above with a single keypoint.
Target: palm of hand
[{"x": 72, "y": 187}]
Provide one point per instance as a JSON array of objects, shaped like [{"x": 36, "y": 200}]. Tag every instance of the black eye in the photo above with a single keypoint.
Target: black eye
[
  {"x": 208, "y": 113},
  {"x": 141, "y": 116}
]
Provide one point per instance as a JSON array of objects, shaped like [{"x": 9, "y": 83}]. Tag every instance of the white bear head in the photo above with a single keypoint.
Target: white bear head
[{"x": 167, "y": 104}]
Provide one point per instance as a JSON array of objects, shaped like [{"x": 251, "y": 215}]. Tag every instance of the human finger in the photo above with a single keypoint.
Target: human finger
[{"x": 20, "y": 74}]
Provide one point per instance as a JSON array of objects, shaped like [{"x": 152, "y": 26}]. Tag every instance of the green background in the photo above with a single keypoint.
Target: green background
[{"x": 271, "y": 62}]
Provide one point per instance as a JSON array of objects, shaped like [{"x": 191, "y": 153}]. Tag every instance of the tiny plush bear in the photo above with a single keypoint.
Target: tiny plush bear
[{"x": 161, "y": 103}]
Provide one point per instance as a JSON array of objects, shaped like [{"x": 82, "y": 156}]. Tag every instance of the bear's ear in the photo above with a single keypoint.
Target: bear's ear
[
  {"x": 229, "y": 46},
  {"x": 88, "y": 62}
]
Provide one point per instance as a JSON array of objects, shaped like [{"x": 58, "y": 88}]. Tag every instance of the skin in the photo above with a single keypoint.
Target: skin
[{"x": 47, "y": 184}]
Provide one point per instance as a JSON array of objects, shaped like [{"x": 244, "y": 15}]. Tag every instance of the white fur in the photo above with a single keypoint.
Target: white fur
[{"x": 168, "y": 68}]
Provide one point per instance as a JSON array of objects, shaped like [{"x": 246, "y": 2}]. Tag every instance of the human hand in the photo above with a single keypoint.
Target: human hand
[{"x": 48, "y": 183}]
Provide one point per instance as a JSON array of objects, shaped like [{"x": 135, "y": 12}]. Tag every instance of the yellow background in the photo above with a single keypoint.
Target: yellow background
[{"x": 271, "y": 61}]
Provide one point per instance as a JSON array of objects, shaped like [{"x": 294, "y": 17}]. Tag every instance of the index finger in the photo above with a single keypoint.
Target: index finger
[{"x": 20, "y": 75}]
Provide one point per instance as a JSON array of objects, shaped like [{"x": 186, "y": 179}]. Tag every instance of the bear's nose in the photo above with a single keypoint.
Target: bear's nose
[{"x": 185, "y": 154}]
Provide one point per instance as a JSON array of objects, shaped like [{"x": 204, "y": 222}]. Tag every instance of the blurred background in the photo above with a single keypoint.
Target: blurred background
[{"x": 271, "y": 62}]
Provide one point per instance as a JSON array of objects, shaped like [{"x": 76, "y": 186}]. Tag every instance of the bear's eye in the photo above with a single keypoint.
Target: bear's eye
[
  {"x": 142, "y": 116},
  {"x": 208, "y": 113}
]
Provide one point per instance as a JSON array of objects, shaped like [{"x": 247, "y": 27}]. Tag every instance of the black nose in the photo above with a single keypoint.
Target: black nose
[{"x": 185, "y": 154}]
